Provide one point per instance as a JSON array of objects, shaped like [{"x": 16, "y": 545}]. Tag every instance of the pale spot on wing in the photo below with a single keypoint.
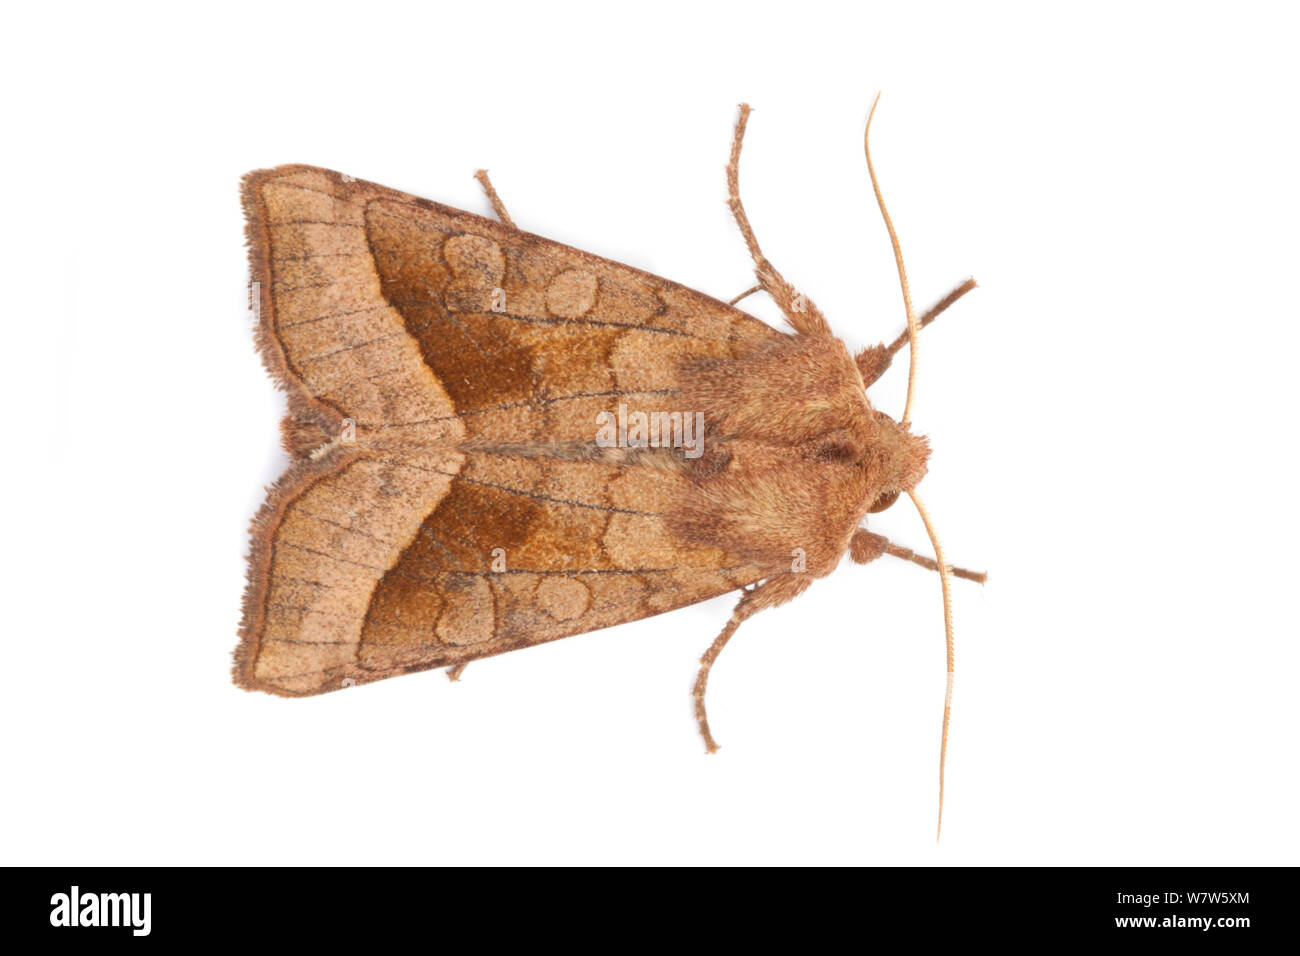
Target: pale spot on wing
[
  {"x": 571, "y": 294},
  {"x": 563, "y": 598},
  {"x": 640, "y": 541}
]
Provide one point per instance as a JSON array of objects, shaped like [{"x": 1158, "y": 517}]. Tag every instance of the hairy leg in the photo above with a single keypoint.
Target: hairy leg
[
  {"x": 803, "y": 316},
  {"x": 773, "y": 591},
  {"x": 497, "y": 205}
]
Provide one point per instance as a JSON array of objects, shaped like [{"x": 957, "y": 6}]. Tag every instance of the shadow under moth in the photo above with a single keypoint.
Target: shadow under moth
[{"x": 499, "y": 440}]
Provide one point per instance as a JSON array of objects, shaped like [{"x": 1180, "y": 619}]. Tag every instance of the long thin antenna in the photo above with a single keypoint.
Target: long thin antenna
[
  {"x": 912, "y": 326},
  {"x": 944, "y": 579}
]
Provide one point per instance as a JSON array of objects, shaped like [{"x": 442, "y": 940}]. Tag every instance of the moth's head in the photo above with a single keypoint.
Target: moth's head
[{"x": 898, "y": 460}]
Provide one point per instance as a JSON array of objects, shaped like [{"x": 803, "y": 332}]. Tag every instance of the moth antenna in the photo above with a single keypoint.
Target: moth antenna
[
  {"x": 912, "y": 327},
  {"x": 945, "y": 580}
]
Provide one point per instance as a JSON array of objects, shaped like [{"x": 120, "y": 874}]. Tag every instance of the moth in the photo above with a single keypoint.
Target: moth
[{"x": 490, "y": 448}]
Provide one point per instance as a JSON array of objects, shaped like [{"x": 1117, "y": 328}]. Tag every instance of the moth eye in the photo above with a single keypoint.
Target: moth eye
[{"x": 883, "y": 502}]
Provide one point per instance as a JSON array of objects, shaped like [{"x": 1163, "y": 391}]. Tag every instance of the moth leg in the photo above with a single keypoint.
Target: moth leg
[
  {"x": 803, "y": 316},
  {"x": 770, "y": 593},
  {"x": 874, "y": 360},
  {"x": 748, "y": 292},
  {"x": 453, "y": 673},
  {"x": 866, "y": 546},
  {"x": 497, "y": 205}
]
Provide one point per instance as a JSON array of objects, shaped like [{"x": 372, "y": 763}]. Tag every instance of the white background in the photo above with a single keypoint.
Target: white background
[{"x": 1111, "y": 415}]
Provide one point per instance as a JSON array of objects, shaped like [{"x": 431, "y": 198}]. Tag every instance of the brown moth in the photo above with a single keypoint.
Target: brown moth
[{"x": 461, "y": 484}]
